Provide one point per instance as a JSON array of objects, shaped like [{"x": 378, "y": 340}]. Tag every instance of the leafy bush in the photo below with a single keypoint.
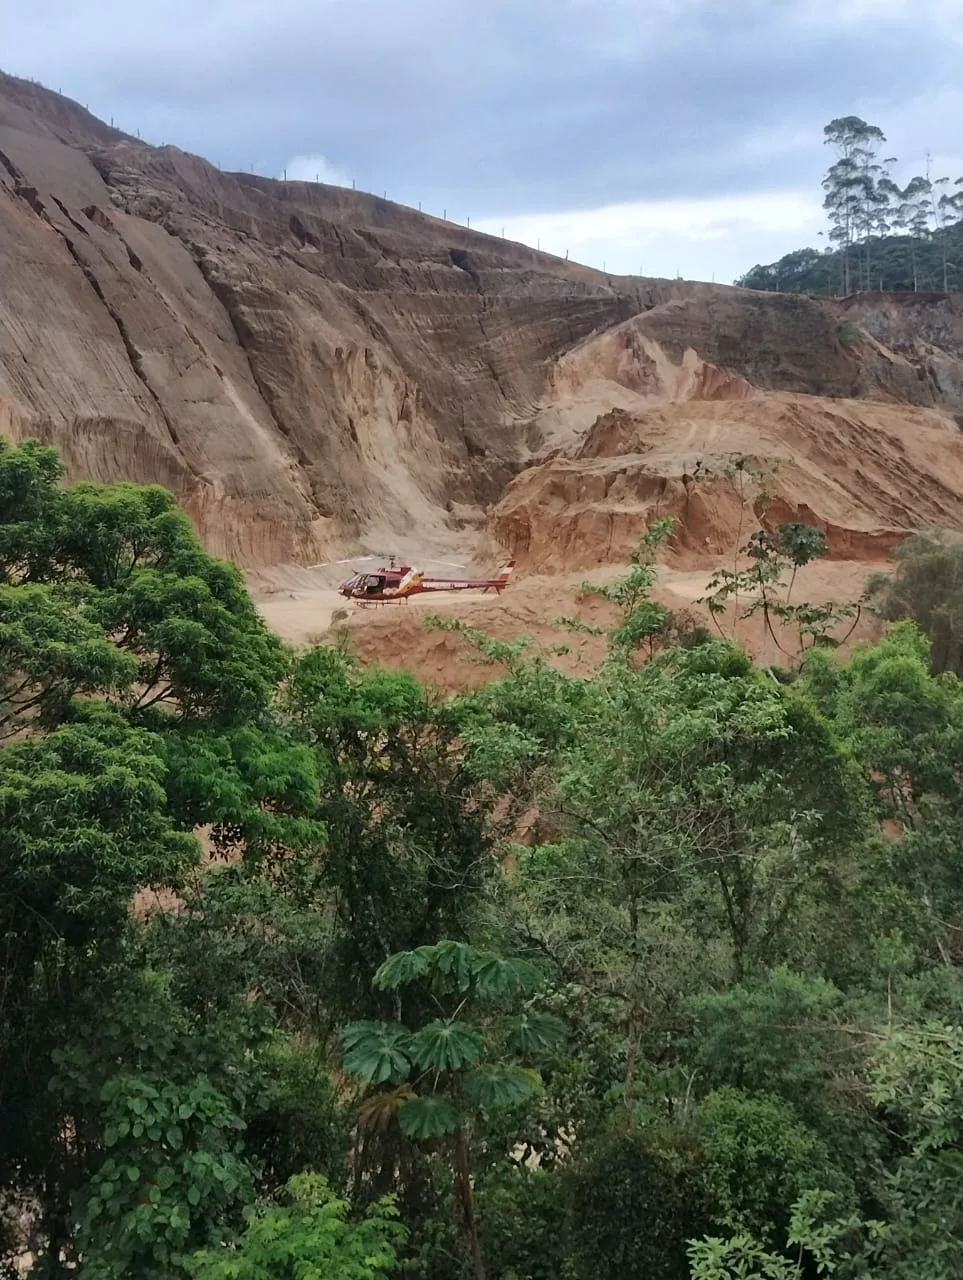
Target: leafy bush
[
  {"x": 523, "y": 1223},
  {"x": 850, "y": 335},
  {"x": 760, "y": 1158},
  {"x": 308, "y": 1237}
]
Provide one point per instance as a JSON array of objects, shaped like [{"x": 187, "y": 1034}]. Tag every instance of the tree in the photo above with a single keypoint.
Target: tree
[
  {"x": 913, "y": 216},
  {"x": 885, "y": 235},
  {"x": 850, "y": 184},
  {"x": 772, "y": 556},
  {"x": 635, "y": 1200},
  {"x": 815, "y": 1240},
  {"x": 172, "y": 1179},
  {"x": 759, "y": 1159},
  {"x": 408, "y": 828},
  {"x": 454, "y": 1069},
  {"x": 644, "y": 625},
  {"x": 120, "y": 565},
  {"x": 83, "y": 825},
  {"x": 904, "y": 728},
  {"x": 128, "y": 657},
  {"x": 915, "y": 1076},
  {"x": 927, "y": 587}
]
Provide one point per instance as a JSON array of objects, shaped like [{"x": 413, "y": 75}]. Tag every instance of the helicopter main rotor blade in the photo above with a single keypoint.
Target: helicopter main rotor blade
[{"x": 325, "y": 564}]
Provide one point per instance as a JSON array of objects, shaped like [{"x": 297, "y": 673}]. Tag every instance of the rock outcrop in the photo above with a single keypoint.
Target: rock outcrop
[{"x": 306, "y": 366}]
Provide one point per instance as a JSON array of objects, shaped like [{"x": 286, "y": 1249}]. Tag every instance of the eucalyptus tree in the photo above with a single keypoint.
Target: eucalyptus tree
[{"x": 851, "y": 185}]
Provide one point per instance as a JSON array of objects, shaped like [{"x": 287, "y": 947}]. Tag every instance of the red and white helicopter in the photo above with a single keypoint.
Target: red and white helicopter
[{"x": 394, "y": 582}]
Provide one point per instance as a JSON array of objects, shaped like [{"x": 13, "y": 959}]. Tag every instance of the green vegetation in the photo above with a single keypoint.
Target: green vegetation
[
  {"x": 651, "y": 971},
  {"x": 883, "y": 236},
  {"x": 928, "y": 588}
]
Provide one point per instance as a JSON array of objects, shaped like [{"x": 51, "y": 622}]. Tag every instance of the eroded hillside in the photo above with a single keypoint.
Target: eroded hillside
[
  {"x": 307, "y": 366},
  {"x": 866, "y": 473},
  {"x": 300, "y": 363}
]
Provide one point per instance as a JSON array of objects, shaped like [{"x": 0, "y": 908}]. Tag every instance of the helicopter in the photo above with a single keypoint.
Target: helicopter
[{"x": 393, "y": 582}]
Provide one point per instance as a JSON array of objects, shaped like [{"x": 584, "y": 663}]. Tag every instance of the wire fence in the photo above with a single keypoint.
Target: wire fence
[{"x": 254, "y": 171}]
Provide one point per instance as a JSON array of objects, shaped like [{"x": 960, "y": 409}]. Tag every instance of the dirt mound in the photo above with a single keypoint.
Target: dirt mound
[{"x": 866, "y": 473}]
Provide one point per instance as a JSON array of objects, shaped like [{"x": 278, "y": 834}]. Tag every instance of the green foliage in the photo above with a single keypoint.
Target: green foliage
[
  {"x": 772, "y": 556},
  {"x": 255, "y": 788},
  {"x": 444, "y": 1052},
  {"x": 524, "y": 1222},
  {"x": 927, "y": 587},
  {"x": 918, "y": 1079},
  {"x": 309, "y": 1236},
  {"x": 296, "y": 1119},
  {"x": 814, "y": 1241},
  {"x": 375, "y": 1051},
  {"x": 428, "y": 1117},
  {"x": 123, "y": 567},
  {"x": 445, "y": 1045},
  {"x": 453, "y": 1072},
  {"x": 50, "y": 651},
  {"x": 82, "y": 826},
  {"x": 635, "y": 1206},
  {"x": 850, "y": 335},
  {"x": 916, "y": 1075},
  {"x": 452, "y": 967},
  {"x": 71, "y": 879},
  {"x": 408, "y": 840},
  {"x": 669, "y": 948},
  {"x": 29, "y": 474},
  {"x": 172, "y": 1180},
  {"x": 760, "y": 1158},
  {"x": 641, "y": 620},
  {"x": 778, "y": 1036}
]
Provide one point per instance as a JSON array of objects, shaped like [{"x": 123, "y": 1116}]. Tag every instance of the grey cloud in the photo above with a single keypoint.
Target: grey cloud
[{"x": 499, "y": 105}]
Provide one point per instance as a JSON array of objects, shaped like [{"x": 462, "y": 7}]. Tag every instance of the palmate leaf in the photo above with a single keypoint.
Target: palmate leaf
[
  {"x": 535, "y": 1033},
  {"x": 497, "y": 977},
  {"x": 433, "y": 1116},
  {"x": 495, "y": 1087},
  {"x": 402, "y": 967},
  {"x": 376, "y": 1051},
  {"x": 378, "y": 1111},
  {"x": 454, "y": 963},
  {"x": 445, "y": 1045},
  {"x": 450, "y": 965},
  {"x": 456, "y": 966}
]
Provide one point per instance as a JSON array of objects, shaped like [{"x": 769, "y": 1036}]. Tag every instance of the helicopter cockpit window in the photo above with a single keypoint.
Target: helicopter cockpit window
[{"x": 374, "y": 583}]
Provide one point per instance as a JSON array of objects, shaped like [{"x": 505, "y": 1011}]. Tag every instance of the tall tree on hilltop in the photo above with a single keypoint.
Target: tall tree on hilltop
[
  {"x": 853, "y": 198},
  {"x": 944, "y": 209},
  {"x": 913, "y": 217}
]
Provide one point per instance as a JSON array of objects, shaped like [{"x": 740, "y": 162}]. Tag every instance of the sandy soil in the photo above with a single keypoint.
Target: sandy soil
[{"x": 304, "y": 611}]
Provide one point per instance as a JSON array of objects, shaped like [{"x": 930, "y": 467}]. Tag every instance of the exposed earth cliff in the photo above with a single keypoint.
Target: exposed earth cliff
[{"x": 315, "y": 371}]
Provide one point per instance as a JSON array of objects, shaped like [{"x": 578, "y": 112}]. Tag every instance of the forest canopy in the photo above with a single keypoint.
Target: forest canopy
[{"x": 311, "y": 971}]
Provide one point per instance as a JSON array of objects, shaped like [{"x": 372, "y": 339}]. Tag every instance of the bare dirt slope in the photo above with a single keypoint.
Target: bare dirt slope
[
  {"x": 308, "y": 366},
  {"x": 866, "y": 473},
  {"x": 316, "y": 372}
]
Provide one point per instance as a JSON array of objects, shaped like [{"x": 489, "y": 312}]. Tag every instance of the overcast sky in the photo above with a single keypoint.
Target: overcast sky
[{"x": 656, "y": 135}]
